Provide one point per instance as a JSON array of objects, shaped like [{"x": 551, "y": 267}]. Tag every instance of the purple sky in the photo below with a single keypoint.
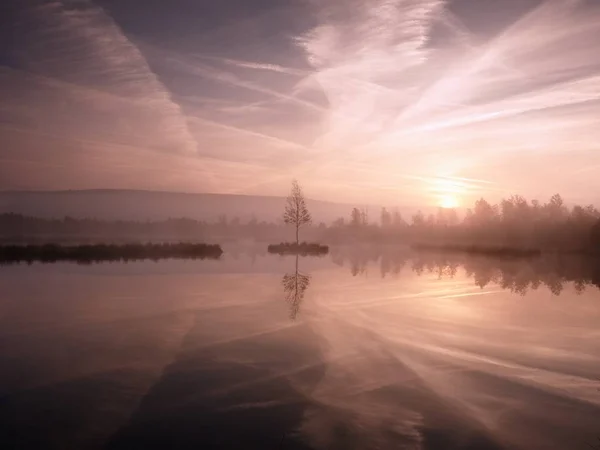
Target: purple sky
[{"x": 397, "y": 102}]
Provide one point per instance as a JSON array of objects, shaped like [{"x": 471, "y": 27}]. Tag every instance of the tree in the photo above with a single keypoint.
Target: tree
[
  {"x": 296, "y": 213},
  {"x": 418, "y": 219},
  {"x": 397, "y": 220},
  {"x": 484, "y": 213},
  {"x": 555, "y": 207},
  {"x": 356, "y": 217},
  {"x": 595, "y": 236},
  {"x": 339, "y": 222},
  {"x": 386, "y": 218},
  {"x": 364, "y": 215}
]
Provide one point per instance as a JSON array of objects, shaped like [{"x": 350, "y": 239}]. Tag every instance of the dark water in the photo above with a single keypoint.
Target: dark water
[{"x": 352, "y": 351}]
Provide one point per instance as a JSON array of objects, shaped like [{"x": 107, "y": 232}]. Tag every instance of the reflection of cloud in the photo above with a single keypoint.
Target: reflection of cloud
[{"x": 433, "y": 361}]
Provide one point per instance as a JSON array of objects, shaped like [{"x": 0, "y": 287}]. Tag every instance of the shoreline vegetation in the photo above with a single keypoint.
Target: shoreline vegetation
[
  {"x": 514, "y": 227},
  {"x": 87, "y": 254},
  {"x": 302, "y": 248}
]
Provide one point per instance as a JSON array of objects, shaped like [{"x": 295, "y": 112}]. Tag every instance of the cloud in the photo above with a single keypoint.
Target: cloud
[
  {"x": 77, "y": 163},
  {"x": 532, "y": 87},
  {"x": 361, "y": 45},
  {"x": 355, "y": 99},
  {"x": 278, "y": 142},
  {"x": 75, "y": 47},
  {"x": 266, "y": 66},
  {"x": 195, "y": 67}
]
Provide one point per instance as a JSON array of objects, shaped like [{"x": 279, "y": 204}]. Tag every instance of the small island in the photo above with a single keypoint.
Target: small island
[
  {"x": 86, "y": 254},
  {"x": 296, "y": 213},
  {"x": 302, "y": 248}
]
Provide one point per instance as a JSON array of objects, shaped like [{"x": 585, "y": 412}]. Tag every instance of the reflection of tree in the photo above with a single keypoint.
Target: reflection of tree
[
  {"x": 295, "y": 286},
  {"x": 390, "y": 261},
  {"x": 518, "y": 276},
  {"x": 515, "y": 274}
]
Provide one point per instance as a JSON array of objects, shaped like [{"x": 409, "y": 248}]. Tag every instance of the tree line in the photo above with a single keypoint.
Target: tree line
[
  {"x": 17, "y": 227},
  {"x": 513, "y": 222}
]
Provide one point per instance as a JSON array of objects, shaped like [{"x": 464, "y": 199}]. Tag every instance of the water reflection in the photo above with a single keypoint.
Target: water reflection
[
  {"x": 295, "y": 286},
  {"x": 442, "y": 356},
  {"x": 519, "y": 276},
  {"x": 413, "y": 352}
]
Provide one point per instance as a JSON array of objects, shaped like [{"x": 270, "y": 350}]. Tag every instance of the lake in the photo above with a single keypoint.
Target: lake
[{"x": 354, "y": 350}]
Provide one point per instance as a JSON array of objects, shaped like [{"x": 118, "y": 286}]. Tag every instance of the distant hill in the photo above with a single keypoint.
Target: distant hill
[{"x": 109, "y": 204}]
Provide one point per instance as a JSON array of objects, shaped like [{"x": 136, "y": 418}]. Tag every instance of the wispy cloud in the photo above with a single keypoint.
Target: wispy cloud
[
  {"x": 516, "y": 92},
  {"x": 265, "y": 66},
  {"x": 361, "y": 97},
  {"x": 282, "y": 143},
  {"x": 375, "y": 42},
  {"x": 79, "y": 49},
  {"x": 198, "y": 68}
]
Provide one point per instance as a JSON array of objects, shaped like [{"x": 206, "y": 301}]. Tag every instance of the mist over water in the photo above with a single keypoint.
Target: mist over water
[{"x": 357, "y": 349}]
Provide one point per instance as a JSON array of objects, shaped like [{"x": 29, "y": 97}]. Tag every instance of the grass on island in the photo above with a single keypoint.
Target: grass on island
[
  {"x": 106, "y": 252},
  {"x": 303, "y": 248},
  {"x": 499, "y": 251}
]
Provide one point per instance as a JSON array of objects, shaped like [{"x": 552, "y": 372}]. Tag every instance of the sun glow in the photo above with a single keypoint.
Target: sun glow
[
  {"x": 449, "y": 201},
  {"x": 447, "y": 191}
]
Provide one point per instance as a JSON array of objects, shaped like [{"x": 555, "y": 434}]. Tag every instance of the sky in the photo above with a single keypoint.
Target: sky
[{"x": 391, "y": 102}]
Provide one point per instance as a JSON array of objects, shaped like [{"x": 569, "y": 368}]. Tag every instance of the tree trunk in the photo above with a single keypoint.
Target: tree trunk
[{"x": 297, "y": 229}]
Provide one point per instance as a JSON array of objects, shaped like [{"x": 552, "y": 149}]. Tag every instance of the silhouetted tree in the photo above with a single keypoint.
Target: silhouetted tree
[
  {"x": 418, "y": 219},
  {"x": 512, "y": 223},
  {"x": 364, "y": 216},
  {"x": 386, "y": 218},
  {"x": 595, "y": 236},
  {"x": 446, "y": 217},
  {"x": 356, "y": 217},
  {"x": 339, "y": 222},
  {"x": 296, "y": 213},
  {"x": 484, "y": 213},
  {"x": 397, "y": 220}
]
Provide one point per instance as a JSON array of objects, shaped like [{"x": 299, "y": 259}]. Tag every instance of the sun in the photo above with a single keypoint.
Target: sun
[{"x": 449, "y": 201}]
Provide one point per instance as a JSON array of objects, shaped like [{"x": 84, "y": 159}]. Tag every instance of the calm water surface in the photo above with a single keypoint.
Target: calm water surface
[{"x": 349, "y": 351}]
